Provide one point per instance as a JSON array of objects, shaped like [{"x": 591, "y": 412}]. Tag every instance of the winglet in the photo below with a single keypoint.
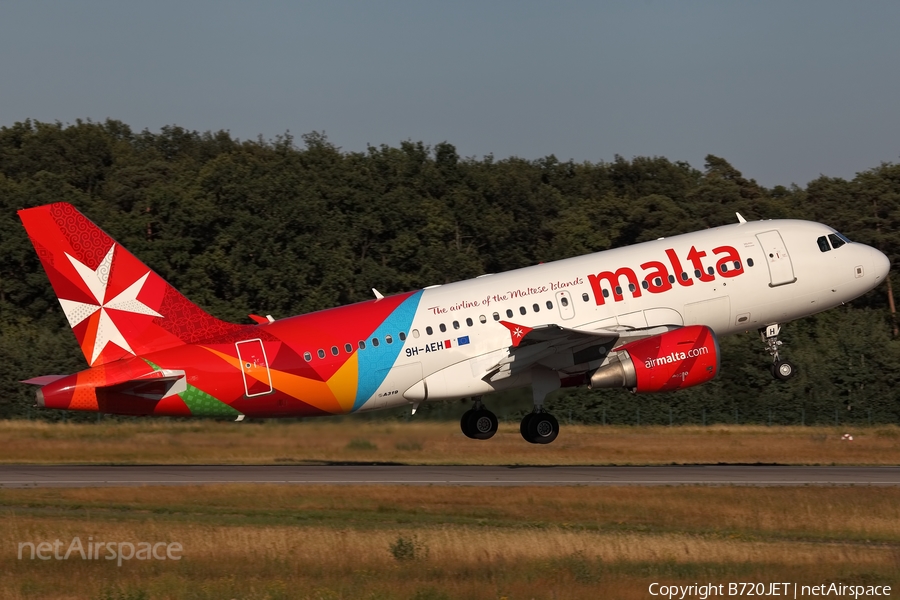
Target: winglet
[
  {"x": 741, "y": 219},
  {"x": 516, "y": 332},
  {"x": 378, "y": 295}
]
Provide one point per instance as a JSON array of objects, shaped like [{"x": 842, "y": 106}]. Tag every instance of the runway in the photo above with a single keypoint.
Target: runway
[{"x": 31, "y": 476}]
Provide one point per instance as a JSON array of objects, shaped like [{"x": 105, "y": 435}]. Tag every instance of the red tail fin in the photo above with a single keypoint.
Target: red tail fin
[{"x": 116, "y": 305}]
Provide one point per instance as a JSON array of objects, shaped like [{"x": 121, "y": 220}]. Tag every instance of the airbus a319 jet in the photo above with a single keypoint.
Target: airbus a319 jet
[{"x": 644, "y": 317}]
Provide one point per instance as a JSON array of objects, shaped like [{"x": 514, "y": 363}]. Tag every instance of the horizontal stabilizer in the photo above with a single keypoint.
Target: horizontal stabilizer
[
  {"x": 43, "y": 380},
  {"x": 149, "y": 388}
]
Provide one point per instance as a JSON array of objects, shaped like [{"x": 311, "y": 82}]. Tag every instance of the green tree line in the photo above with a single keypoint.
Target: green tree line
[{"x": 280, "y": 227}]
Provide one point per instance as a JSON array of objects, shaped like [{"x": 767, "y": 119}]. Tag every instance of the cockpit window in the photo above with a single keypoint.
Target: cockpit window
[
  {"x": 837, "y": 240},
  {"x": 823, "y": 244}
]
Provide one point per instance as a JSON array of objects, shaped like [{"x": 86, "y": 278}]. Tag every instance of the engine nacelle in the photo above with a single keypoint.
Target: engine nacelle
[{"x": 673, "y": 360}]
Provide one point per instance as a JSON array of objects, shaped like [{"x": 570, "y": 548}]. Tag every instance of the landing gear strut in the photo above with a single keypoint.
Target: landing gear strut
[
  {"x": 781, "y": 369},
  {"x": 478, "y": 422},
  {"x": 539, "y": 427}
]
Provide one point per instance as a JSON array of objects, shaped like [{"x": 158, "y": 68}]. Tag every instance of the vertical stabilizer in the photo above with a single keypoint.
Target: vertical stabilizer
[{"x": 116, "y": 305}]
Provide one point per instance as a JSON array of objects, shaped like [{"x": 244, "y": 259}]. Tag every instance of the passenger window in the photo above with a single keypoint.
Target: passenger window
[
  {"x": 671, "y": 279},
  {"x": 697, "y": 273},
  {"x": 348, "y": 348},
  {"x": 429, "y": 330},
  {"x": 307, "y": 356},
  {"x": 684, "y": 276},
  {"x": 535, "y": 308},
  {"x": 509, "y": 313},
  {"x": 469, "y": 321},
  {"x": 836, "y": 241},
  {"x": 737, "y": 265},
  {"x": 749, "y": 262},
  {"x": 724, "y": 268},
  {"x": 564, "y": 301},
  {"x": 631, "y": 287},
  {"x": 823, "y": 244},
  {"x": 522, "y": 310},
  {"x": 549, "y": 304},
  {"x": 402, "y": 336},
  {"x": 710, "y": 270},
  {"x": 455, "y": 324},
  {"x": 321, "y": 353},
  {"x": 496, "y": 316},
  {"x": 585, "y": 297},
  {"x": 334, "y": 350},
  {"x": 605, "y": 293},
  {"x": 374, "y": 342},
  {"x": 646, "y": 285},
  {"x": 362, "y": 345},
  {"x": 388, "y": 339},
  {"x": 482, "y": 319},
  {"x": 618, "y": 290},
  {"x": 442, "y": 327},
  {"x": 657, "y": 282}
]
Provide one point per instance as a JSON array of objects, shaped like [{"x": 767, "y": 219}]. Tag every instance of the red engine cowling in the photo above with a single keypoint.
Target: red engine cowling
[{"x": 670, "y": 361}]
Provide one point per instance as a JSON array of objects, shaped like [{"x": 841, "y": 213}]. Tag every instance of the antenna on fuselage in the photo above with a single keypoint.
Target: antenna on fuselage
[
  {"x": 740, "y": 218},
  {"x": 378, "y": 295}
]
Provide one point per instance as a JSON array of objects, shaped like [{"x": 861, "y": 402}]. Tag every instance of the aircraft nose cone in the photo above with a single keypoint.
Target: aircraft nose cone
[{"x": 882, "y": 265}]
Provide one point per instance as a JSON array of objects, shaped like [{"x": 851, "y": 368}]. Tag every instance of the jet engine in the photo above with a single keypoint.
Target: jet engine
[{"x": 673, "y": 360}]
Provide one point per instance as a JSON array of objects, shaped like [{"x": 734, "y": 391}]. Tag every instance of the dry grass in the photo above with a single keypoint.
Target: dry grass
[
  {"x": 209, "y": 442},
  {"x": 251, "y": 542}
]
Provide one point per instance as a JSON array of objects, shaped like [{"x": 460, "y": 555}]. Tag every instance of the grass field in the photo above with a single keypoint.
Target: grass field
[
  {"x": 273, "y": 542},
  {"x": 211, "y": 442},
  {"x": 390, "y": 542}
]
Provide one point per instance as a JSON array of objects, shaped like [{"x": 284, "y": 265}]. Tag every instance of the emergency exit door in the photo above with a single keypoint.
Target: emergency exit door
[
  {"x": 254, "y": 367},
  {"x": 565, "y": 305}
]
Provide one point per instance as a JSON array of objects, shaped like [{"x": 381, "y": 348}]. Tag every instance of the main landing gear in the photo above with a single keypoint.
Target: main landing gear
[
  {"x": 538, "y": 426},
  {"x": 478, "y": 422},
  {"x": 781, "y": 369}
]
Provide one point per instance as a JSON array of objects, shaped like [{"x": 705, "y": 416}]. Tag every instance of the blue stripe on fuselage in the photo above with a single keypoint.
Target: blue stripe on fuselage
[{"x": 375, "y": 362}]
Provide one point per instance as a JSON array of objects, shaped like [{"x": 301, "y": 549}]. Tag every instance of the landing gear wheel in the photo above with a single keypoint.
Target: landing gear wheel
[
  {"x": 483, "y": 424},
  {"x": 541, "y": 428},
  {"x": 783, "y": 370},
  {"x": 480, "y": 424},
  {"x": 523, "y": 427},
  {"x": 464, "y": 422}
]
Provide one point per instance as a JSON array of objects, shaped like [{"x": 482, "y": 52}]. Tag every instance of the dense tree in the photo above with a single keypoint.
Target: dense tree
[{"x": 277, "y": 227}]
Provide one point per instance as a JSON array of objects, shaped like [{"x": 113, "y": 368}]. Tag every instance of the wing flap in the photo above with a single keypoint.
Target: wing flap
[{"x": 547, "y": 344}]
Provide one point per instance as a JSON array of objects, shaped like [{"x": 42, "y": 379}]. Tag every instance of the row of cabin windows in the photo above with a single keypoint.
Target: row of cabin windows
[
  {"x": 522, "y": 311},
  {"x": 348, "y": 347},
  {"x": 496, "y": 316},
  {"x": 307, "y": 356}
]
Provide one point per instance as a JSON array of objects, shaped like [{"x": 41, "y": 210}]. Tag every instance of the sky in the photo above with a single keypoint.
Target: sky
[{"x": 785, "y": 91}]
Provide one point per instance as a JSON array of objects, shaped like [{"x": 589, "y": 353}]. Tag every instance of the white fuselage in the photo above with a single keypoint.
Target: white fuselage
[{"x": 774, "y": 272}]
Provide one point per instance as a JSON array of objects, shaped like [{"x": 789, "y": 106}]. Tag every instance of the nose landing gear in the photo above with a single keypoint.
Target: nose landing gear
[{"x": 781, "y": 369}]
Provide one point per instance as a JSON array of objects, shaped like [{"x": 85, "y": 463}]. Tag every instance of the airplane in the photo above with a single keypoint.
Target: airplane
[{"x": 644, "y": 317}]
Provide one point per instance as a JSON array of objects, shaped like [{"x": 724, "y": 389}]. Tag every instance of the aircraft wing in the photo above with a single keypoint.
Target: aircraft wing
[{"x": 561, "y": 348}]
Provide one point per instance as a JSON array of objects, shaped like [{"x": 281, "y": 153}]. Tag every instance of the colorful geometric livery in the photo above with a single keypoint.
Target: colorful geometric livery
[{"x": 137, "y": 332}]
